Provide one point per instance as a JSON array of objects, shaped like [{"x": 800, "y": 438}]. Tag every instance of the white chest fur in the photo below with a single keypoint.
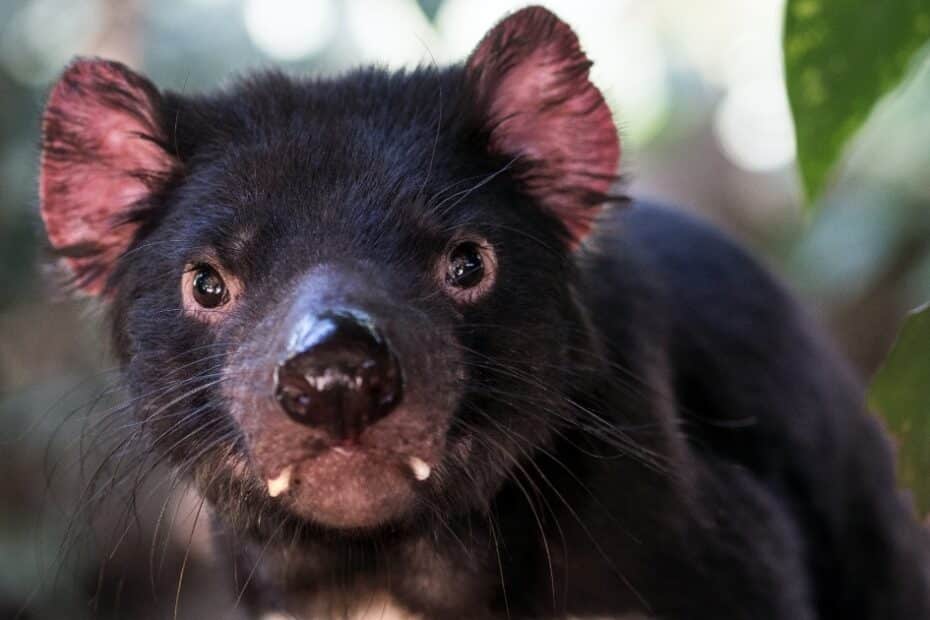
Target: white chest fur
[{"x": 376, "y": 607}]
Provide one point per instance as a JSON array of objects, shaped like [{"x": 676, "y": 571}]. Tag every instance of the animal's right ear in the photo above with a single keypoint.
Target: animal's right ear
[{"x": 104, "y": 154}]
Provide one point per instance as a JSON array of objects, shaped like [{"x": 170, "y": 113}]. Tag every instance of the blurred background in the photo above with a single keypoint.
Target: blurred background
[{"x": 697, "y": 88}]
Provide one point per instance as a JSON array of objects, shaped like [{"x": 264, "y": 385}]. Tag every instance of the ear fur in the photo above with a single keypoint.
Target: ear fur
[
  {"x": 530, "y": 78},
  {"x": 103, "y": 155}
]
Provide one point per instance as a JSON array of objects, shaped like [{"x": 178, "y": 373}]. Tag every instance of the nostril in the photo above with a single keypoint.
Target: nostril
[
  {"x": 345, "y": 378},
  {"x": 294, "y": 396}
]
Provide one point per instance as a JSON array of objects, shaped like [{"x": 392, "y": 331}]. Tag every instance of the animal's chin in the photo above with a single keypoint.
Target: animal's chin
[
  {"x": 348, "y": 488},
  {"x": 374, "y": 479}
]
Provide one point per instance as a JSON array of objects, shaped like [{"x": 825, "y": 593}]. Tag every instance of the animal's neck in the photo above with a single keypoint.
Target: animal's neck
[{"x": 479, "y": 561}]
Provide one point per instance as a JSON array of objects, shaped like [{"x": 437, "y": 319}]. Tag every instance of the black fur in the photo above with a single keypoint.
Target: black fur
[{"x": 647, "y": 424}]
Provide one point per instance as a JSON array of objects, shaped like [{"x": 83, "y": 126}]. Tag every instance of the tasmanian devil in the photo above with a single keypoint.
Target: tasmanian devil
[{"x": 400, "y": 334}]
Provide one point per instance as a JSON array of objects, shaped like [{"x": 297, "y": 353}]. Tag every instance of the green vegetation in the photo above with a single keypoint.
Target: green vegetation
[
  {"x": 901, "y": 394},
  {"x": 841, "y": 58}
]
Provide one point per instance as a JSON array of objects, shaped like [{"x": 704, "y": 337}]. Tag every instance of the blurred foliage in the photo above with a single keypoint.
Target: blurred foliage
[
  {"x": 901, "y": 394},
  {"x": 841, "y": 57}
]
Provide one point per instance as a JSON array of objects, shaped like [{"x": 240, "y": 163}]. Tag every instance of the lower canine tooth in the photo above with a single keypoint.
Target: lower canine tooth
[
  {"x": 280, "y": 484},
  {"x": 420, "y": 469}
]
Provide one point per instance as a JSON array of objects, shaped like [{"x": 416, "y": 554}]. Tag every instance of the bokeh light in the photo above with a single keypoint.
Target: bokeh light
[
  {"x": 394, "y": 33},
  {"x": 753, "y": 125},
  {"x": 290, "y": 29},
  {"x": 43, "y": 35}
]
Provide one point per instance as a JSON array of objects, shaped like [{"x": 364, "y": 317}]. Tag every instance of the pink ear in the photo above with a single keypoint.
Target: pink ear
[
  {"x": 531, "y": 79},
  {"x": 102, "y": 156}
]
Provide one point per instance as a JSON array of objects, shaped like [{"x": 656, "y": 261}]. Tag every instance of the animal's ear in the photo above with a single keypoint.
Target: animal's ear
[
  {"x": 530, "y": 79},
  {"x": 103, "y": 156}
]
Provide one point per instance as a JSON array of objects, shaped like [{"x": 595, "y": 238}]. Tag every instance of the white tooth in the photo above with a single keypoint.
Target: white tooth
[
  {"x": 280, "y": 484},
  {"x": 421, "y": 470}
]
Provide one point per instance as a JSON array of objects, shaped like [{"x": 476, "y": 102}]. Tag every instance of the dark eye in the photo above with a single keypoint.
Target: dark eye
[
  {"x": 466, "y": 266},
  {"x": 208, "y": 287}
]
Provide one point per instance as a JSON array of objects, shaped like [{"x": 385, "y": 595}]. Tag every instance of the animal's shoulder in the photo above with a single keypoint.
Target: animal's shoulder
[{"x": 748, "y": 364}]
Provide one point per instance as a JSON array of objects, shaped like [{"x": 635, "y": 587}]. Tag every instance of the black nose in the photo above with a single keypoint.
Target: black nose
[{"x": 345, "y": 378}]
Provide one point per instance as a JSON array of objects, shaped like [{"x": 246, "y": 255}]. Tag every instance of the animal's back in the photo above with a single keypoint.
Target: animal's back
[{"x": 756, "y": 385}]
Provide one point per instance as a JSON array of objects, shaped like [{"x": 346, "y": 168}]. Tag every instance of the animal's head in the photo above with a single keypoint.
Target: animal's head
[{"x": 347, "y": 300}]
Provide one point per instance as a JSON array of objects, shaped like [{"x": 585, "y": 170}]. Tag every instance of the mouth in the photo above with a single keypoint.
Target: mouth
[
  {"x": 348, "y": 487},
  {"x": 279, "y": 484}
]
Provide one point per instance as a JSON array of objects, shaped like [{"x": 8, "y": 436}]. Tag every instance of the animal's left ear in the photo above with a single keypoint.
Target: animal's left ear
[{"x": 530, "y": 79}]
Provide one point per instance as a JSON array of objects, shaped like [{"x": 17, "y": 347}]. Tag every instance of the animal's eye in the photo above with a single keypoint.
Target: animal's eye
[
  {"x": 468, "y": 270},
  {"x": 466, "y": 265},
  {"x": 208, "y": 287}
]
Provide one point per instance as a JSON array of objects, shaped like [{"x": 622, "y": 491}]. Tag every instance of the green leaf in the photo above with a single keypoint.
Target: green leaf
[
  {"x": 901, "y": 394},
  {"x": 841, "y": 56}
]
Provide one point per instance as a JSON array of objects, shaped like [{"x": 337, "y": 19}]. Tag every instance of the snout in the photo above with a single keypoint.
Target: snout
[
  {"x": 344, "y": 394},
  {"x": 343, "y": 377}
]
